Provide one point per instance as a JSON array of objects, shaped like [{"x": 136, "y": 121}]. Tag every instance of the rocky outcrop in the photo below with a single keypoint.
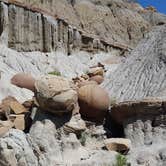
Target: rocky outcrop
[
  {"x": 144, "y": 124},
  {"x": 47, "y": 145},
  {"x": 70, "y": 26},
  {"x": 124, "y": 111},
  {"x": 154, "y": 18},
  {"x": 88, "y": 25},
  {"x": 143, "y": 73},
  {"x": 112, "y": 20}
]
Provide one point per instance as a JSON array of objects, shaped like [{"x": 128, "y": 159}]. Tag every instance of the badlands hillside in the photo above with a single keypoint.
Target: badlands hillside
[{"x": 82, "y": 83}]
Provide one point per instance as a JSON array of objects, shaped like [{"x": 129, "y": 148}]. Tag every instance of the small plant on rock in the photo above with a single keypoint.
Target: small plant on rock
[
  {"x": 121, "y": 160},
  {"x": 56, "y": 73},
  {"x": 83, "y": 138},
  {"x": 113, "y": 101}
]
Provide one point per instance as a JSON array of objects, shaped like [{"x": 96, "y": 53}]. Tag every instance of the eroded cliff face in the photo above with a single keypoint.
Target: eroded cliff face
[{"x": 81, "y": 25}]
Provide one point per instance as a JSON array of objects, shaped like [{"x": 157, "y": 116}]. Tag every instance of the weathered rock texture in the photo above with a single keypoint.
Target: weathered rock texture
[
  {"x": 143, "y": 74},
  {"x": 149, "y": 108},
  {"x": 84, "y": 25},
  {"x": 154, "y": 18},
  {"x": 148, "y": 137},
  {"x": 144, "y": 124}
]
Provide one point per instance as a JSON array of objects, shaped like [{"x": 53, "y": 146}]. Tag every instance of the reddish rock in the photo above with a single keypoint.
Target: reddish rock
[
  {"x": 94, "y": 102},
  {"x": 83, "y": 83},
  {"x": 24, "y": 80}
]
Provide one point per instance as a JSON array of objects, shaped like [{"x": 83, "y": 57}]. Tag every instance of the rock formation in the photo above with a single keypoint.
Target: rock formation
[{"x": 102, "y": 47}]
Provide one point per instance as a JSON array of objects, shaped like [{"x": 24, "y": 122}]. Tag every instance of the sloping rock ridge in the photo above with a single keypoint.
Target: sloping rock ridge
[{"x": 144, "y": 71}]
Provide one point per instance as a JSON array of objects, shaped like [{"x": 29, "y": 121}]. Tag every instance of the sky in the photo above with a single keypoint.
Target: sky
[{"x": 160, "y": 5}]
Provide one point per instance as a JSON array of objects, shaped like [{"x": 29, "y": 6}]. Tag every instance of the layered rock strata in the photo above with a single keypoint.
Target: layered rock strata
[
  {"x": 27, "y": 29},
  {"x": 110, "y": 20}
]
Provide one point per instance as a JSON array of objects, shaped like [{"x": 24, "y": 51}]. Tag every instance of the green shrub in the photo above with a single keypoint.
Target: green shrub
[
  {"x": 113, "y": 101},
  {"x": 83, "y": 138},
  {"x": 56, "y": 73},
  {"x": 120, "y": 160}
]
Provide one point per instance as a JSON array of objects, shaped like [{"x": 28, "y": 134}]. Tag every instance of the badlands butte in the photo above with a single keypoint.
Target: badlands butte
[{"x": 82, "y": 83}]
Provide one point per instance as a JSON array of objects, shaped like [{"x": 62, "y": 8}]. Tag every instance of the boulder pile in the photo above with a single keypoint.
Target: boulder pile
[
  {"x": 58, "y": 95},
  {"x": 81, "y": 98}
]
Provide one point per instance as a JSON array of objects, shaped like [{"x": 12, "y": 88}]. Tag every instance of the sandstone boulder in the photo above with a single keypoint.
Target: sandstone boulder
[
  {"x": 5, "y": 126},
  {"x": 96, "y": 71},
  {"x": 56, "y": 94},
  {"x": 17, "y": 108},
  {"x": 18, "y": 121},
  {"x": 118, "y": 144},
  {"x": 23, "y": 80},
  {"x": 93, "y": 101},
  {"x": 13, "y": 115}
]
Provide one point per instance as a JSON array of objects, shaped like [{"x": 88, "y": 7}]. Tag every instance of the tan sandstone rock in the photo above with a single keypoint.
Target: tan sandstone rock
[
  {"x": 5, "y": 126},
  {"x": 121, "y": 145},
  {"x": 75, "y": 125},
  {"x": 18, "y": 121},
  {"x": 17, "y": 108},
  {"x": 96, "y": 71}
]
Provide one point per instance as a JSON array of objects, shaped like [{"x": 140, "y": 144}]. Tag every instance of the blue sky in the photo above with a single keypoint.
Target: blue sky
[{"x": 160, "y": 5}]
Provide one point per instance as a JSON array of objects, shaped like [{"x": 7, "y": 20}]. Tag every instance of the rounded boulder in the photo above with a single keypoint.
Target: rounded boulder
[
  {"x": 94, "y": 102},
  {"x": 24, "y": 80},
  {"x": 56, "y": 94}
]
